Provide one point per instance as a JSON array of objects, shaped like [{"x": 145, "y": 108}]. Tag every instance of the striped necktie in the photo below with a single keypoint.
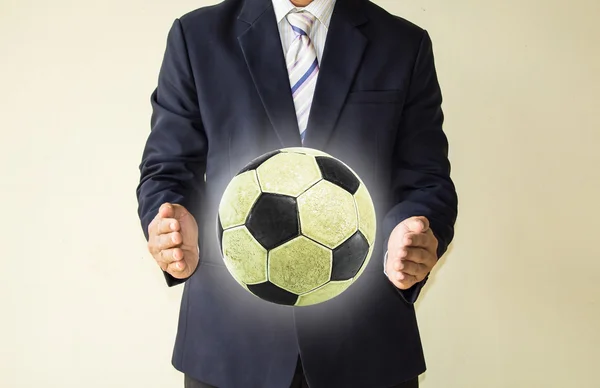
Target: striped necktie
[{"x": 303, "y": 67}]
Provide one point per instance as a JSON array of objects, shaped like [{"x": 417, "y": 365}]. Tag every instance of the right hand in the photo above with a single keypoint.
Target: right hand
[{"x": 173, "y": 240}]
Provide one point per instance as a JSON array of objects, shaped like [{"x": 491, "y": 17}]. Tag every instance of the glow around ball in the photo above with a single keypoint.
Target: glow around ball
[{"x": 296, "y": 227}]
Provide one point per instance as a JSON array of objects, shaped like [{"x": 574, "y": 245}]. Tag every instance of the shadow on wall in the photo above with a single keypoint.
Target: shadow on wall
[
  {"x": 431, "y": 283},
  {"x": 432, "y": 277}
]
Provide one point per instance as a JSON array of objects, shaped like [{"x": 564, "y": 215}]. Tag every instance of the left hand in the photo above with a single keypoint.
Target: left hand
[{"x": 412, "y": 252}]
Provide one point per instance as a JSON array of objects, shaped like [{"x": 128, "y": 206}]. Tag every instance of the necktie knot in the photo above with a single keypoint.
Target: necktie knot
[{"x": 301, "y": 22}]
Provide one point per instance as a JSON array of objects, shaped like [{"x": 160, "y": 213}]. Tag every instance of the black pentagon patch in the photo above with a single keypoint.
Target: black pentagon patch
[
  {"x": 271, "y": 293},
  {"x": 349, "y": 257},
  {"x": 253, "y": 165},
  {"x": 220, "y": 232},
  {"x": 273, "y": 220},
  {"x": 336, "y": 172}
]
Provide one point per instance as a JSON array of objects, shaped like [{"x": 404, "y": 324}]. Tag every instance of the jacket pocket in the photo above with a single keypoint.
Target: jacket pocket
[{"x": 374, "y": 97}]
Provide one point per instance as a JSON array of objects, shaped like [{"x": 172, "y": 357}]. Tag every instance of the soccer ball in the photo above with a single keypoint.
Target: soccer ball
[{"x": 296, "y": 227}]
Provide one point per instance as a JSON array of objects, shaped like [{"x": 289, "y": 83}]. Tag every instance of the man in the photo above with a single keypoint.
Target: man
[{"x": 245, "y": 77}]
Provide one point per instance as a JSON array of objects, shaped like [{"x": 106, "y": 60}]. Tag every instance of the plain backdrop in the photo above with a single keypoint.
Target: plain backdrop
[{"x": 516, "y": 301}]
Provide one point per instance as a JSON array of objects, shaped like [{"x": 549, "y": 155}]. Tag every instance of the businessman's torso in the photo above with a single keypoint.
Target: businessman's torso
[{"x": 237, "y": 62}]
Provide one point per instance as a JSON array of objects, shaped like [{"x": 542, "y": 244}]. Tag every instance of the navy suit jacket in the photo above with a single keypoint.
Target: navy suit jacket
[{"x": 223, "y": 98}]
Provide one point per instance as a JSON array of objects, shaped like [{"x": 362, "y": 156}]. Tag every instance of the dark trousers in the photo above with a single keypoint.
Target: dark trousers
[{"x": 299, "y": 381}]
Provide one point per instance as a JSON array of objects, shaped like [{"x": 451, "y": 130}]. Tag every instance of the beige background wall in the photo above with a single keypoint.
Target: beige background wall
[{"x": 516, "y": 302}]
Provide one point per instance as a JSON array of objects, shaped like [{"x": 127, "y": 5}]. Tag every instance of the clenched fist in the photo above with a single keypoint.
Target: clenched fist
[
  {"x": 173, "y": 240},
  {"x": 412, "y": 252}
]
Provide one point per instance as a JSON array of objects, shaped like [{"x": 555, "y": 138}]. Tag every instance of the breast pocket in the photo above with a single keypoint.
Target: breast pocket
[
  {"x": 374, "y": 97},
  {"x": 367, "y": 121}
]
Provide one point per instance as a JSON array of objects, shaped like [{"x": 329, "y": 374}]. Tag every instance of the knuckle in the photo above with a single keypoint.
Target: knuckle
[
  {"x": 159, "y": 243},
  {"x": 416, "y": 268},
  {"x": 165, "y": 241},
  {"x": 411, "y": 267},
  {"x": 152, "y": 246},
  {"x": 404, "y": 253},
  {"x": 176, "y": 237},
  {"x": 159, "y": 256},
  {"x": 167, "y": 255}
]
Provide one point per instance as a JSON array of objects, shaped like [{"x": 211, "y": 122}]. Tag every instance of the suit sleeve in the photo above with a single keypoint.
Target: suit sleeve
[
  {"x": 174, "y": 157},
  {"x": 421, "y": 181}
]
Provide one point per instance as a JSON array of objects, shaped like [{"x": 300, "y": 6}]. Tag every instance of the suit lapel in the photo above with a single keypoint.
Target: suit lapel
[
  {"x": 342, "y": 56},
  {"x": 344, "y": 48},
  {"x": 262, "y": 50}
]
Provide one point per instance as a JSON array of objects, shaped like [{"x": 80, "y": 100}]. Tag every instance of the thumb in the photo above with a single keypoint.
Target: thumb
[
  {"x": 179, "y": 211},
  {"x": 172, "y": 210},
  {"x": 166, "y": 210},
  {"x": 416, "y": 224}
]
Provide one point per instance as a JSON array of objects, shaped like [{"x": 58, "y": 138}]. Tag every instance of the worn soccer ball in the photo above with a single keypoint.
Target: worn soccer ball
[{"x": 296, "y": 227}]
